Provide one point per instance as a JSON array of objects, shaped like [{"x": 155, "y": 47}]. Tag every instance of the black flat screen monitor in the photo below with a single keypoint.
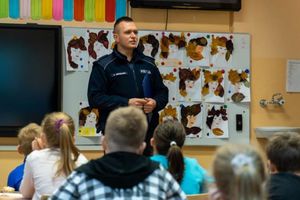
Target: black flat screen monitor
[
  {"x": 30, "y": 74},
  {"x": 225, "y": 5}
]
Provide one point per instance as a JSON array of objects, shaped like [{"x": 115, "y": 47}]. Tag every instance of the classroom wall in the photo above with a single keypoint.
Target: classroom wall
[{"x": 274, "y": 32}]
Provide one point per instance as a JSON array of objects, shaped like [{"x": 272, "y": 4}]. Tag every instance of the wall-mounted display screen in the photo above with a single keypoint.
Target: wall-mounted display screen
[{"x": 30, "y": 74}]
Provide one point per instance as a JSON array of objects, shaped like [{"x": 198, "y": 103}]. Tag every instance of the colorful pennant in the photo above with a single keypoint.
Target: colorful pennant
[
  {"x": 68, "y": 10},
  {"x": 79, "y": 10},
  {"x": 47, "y": 9},
  {"x": 89, "y": 10},
  {"x": 57, "y": 9},
  {"x": 121, "y": 8},
  {"x": 100, "y": 10},
  {"x": 25, "y": 9},
  {"x": 110, "y": 9},
  {"x": 3, "y": 8},
  {"x": 36, "y": 9},
  {"x": 14, "y": 9}
]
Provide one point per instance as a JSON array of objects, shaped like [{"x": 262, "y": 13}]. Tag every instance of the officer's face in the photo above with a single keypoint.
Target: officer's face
[{"x": 126, "y": 35}]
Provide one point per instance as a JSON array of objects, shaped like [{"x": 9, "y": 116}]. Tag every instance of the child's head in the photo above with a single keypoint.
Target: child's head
[
  {"x": 25, "y": 137},
  {"x": 57, "y": 126},
  {"x": 283, "y": 152},
  {"x": 239, "y": 172},
  {"x": 58, "y": 129},
  {"x": 168, "y": 138},
  {"x": 125, "y": 130}
]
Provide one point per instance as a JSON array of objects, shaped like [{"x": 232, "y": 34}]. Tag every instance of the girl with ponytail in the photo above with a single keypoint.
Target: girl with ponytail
[
  {"x": 46, "y": 169},
  {"x": 167, "y": 141}
]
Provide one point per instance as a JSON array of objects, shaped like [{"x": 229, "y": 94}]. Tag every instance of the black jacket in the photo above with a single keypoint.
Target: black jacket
[
  {"x": 284, "y": 186},
  {"x": 114, "y": 80}
]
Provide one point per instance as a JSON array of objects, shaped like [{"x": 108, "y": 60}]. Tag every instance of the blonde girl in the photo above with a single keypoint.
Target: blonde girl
[
  {"x": 47, "y": 168},
  {"x": 239, "y": 174}
]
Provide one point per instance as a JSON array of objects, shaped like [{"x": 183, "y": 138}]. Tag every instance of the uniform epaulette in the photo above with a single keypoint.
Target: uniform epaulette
[
  {"x": 105, "y": 60},
  {"x": 149, "y": 59}
]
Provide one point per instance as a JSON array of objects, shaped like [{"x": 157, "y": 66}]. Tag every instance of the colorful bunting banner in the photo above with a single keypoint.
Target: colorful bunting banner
[{"x": 68, "y": 10}]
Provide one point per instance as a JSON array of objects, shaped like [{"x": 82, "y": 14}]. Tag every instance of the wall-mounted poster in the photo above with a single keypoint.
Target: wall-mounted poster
[
  {"x": 221, "y": 50},
  {"x": 149, "y": 43},
  {"x": 197, "y": 50},
  {"x": 170, "y": 112},
  {"x": 98, "y": 44},
  {"x": 213, "y": 85},
  {"x": 76, "y": 50},
  {"x": 239, "y": 85},
  {"x": 216, "y": 121},
  {"x": 88, "y": 119},
  {"x": 191, "y": 119},
  {"x": 189, "y": 84},
  {"x": 170, "y": 79},
  {"x": 172, "y": 49}
]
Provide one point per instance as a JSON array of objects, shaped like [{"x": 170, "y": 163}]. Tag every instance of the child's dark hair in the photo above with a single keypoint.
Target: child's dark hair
[
  {"x": 169, "y": 137},
  {"x": 283, "y": 150}
]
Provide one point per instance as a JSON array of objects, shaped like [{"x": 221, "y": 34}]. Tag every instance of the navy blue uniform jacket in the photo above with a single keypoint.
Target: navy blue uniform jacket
[{"x": 114, "y": 81}]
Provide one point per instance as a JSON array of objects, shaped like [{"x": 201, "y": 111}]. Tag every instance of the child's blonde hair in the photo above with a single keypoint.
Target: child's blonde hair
[
  {"x": 239, "y": 173},
  {"x": 26, "y": 135},
  {"x": 126, "y": 128},
  {"x": 59, "y": 131}
]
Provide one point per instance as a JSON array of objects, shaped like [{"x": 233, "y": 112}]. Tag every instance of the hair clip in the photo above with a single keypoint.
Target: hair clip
[
  {"x": 240, "y": 161},
  {"x": 173, "y": 143},
  {"x": 58, "y": 124}
]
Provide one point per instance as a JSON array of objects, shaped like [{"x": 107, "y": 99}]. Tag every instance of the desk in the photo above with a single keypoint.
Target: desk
[
  {"x": 203, "y": 196},
  {"x": 12, "y": 196}
]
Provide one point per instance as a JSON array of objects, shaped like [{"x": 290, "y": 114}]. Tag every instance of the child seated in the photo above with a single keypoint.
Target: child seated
[
  {"x": 283, "y": 152},
  {"x": 167, "y": 141},
  {"x": 239, "y": 174},
  {"x": 46, "y": 169},
  {"x": 25, "y": 137}
]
